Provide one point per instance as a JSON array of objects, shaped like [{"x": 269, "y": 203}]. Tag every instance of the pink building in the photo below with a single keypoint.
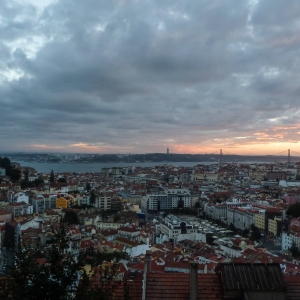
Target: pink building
[{"x": 290, "y": 199}]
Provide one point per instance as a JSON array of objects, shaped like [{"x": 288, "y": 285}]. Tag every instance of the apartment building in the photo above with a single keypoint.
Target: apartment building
[
  {"x": 103, "y": 202},
  {"x": 259, "y": 221},
  {"x": 18, "y": 209},
  {"x": 287, "y": 240},
  {"x": 274, "y": 226},
  {"x": 216, "y": 211},
  {"x": 166, "y": 200},
  {"x": 241, "y": 218}
]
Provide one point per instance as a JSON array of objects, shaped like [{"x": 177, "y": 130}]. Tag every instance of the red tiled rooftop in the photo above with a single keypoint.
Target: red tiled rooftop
[
  {"x": 177, "y": 286},
  {"x": 293, "y": 287},
  {"x": 134, "y": 288}
]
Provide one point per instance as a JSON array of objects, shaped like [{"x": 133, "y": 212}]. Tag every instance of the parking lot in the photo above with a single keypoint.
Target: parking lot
[{"x": 208, "y": 226}]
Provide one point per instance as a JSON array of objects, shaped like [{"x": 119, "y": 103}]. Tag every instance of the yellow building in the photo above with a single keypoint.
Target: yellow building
[
  {"x": 259, "y": 221},
  {"x": 272, "y": 226},
  {"x": 64, "y": 202}
]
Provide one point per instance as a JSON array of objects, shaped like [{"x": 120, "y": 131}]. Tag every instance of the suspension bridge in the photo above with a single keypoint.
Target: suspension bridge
[{"x": 288, "y": 154}]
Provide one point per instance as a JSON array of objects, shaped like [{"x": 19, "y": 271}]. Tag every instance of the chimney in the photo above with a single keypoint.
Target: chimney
[
  {"x": 148, "y": 261},
  {"x": 193, "y": 280},
  {"x": 147, "y": 268}
]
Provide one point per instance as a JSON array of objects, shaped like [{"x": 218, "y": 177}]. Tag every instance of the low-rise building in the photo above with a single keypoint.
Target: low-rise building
[
  {"x": 173, "y": 226},
  {"x": 64, "y": 202},
  {"x": 231, "y": 250},
  {"x": 108, "y": 234},
  {"x": 5, "y": 216},
  {"x": 130, "y": 233},
  {"x": 109, "y": 225},
  {"x": 286, "y": 241},
  {"x": 19, "y": 209}
]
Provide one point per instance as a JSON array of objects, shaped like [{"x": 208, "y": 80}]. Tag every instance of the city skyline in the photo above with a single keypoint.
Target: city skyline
[{"x": 144, "y": 76}]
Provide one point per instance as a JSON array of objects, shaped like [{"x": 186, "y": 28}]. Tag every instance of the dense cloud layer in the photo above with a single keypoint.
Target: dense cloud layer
[{"x": 138, "y": 76}]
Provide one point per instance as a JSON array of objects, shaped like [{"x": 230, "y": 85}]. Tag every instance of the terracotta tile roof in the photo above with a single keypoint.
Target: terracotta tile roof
[
  {"x": 108, "y": 232},
  {"x": 178, "y": 265},
  {"x": 154, "y": 267},
  {"x": 126, "y": 241},
  {"x": 177, "y": 286},
  {"x": 135, "y": 290},
  {"x": 293, "y": 287}
]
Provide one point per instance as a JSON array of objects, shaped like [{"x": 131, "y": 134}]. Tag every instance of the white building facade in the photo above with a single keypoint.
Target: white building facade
[{"x": 166, "y": 200}]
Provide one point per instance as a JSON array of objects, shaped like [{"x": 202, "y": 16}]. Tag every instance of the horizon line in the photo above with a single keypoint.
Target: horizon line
[{"x": 129, "y": 154}]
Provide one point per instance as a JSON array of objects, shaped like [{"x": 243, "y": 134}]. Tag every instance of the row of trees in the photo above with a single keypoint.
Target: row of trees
[{"x": 255, "y": 233}]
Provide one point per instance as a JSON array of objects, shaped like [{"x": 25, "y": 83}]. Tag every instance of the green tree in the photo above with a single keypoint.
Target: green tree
[
  {"x": 294, "y": 210},
  {"x": 218, "y": 200},
  {"x": 60, "y": 276},
  {"x": 71, "y": 217},
  {"x": 245, "y": 232},
  {"x": 255, "y": 234},
  {"x": 165, "y": 214},
  {"x": 294, "y": 249},
  {"x": 26, "y": 175},
  {"x": 232, "y": 227},
  {"x": 117, "y": 218},
  {"x": 13, "y": 173},
  {"x": 38, "y": 181},
  {"x": 62, "y": 180},
  {"x": 51, "y": 176},
  {"x": 92, "y": 197},
  {"x": 25, "y": 182},
  {"x": 88, "y": 187},
  {"x": 209, "y": 238}
]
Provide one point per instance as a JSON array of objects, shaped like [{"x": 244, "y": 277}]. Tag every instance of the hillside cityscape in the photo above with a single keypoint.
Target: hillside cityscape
[
  {"x": 151, "y": 222},
  {"x": 149, "y": 150}
]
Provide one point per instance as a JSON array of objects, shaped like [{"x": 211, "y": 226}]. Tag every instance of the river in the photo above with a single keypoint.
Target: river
[{"x": 96, "y": 167}]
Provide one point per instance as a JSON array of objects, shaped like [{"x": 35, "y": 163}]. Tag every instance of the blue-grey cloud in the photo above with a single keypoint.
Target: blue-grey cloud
[{"x": 147, "y": 73}]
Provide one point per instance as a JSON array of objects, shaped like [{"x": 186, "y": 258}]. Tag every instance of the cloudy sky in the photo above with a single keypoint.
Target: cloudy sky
[{"x": 138, "y": 76}]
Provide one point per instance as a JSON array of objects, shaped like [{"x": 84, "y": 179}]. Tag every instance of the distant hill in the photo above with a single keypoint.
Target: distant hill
[{"x": 149, "y": 157}]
